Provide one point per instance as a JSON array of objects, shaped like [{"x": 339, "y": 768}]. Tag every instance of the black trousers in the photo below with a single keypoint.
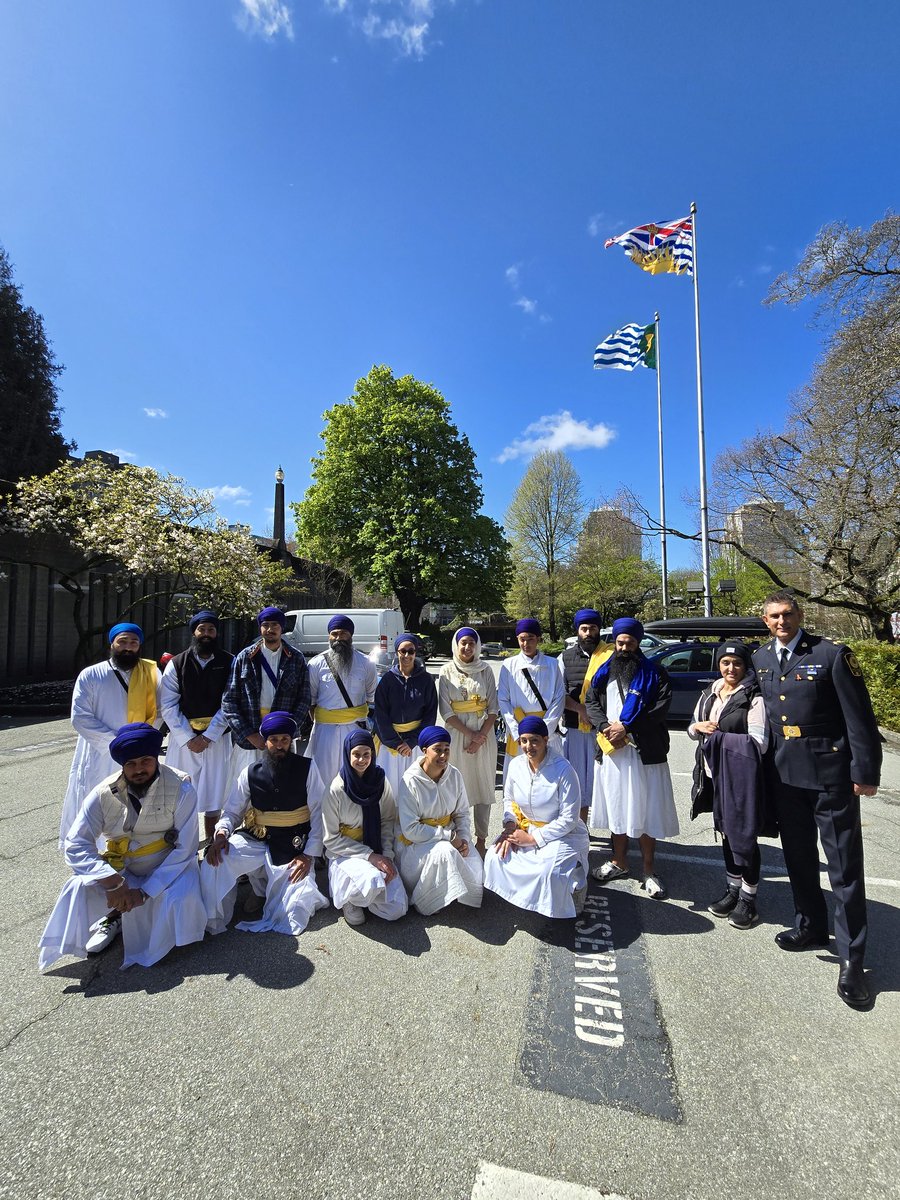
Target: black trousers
[
  {"x": 802, "y": 813},
  {"x": 750, "y": 871}
]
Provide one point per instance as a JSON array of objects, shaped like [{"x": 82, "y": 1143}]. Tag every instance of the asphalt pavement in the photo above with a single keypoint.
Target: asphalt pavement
[{"x": 646, "y": 1051}]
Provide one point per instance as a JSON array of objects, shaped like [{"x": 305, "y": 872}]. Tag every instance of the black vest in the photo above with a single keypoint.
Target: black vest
[
  {"x": 201, "y": 688},
  {"x": 289, "y": 791},
  {"x": 575, "y": 665}
]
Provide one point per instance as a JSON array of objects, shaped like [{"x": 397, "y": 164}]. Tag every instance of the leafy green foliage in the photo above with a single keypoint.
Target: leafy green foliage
[{"x": 880, "y": 663}]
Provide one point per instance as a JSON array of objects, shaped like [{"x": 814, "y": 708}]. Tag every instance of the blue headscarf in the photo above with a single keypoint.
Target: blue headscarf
[
  {"x": 365, "y": 790},
  {"x": 407, "y": 637},
  {"x": 277, "y": 722},
  {"x": 203, "y": 617},
  {"x": 431, "y": 735},
  {"x": 340, "y": 621},
  {"x": 126, "y": 627},
  {"x": 528, "y": 625},
  {"x": 533, "y": 724},
  {"x": 629, "y": 625},
  {"x": 137, "y": 740},
  {"x": 586, "y": 616}
]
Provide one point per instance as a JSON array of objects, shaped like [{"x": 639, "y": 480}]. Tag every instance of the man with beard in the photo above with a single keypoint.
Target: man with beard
[
  {"x": 106, "y": 696},
  {"x": 144, "y": 882},
  {"x": 271, "y": 824},
  {"x": 191, "y": 699},
  {"x": 627, "y": 702},
  {"x": 578, "y": 664},
  {"x": 342, "y": 686},
  {"x": 529, "y": 685}
]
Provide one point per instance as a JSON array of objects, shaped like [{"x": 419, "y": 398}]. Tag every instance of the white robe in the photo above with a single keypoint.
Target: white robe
[
  {"x": 630, "y": 797},
  {"x": 99, "y": 710},
  {"x": 351, "y": 877},
  {"x": 542, "y": 878},
  {"x": 288, "y": 906},
  {"x": 478, "y": 770},
  {"x": 514, "y": 691},
  {"x": 172, "y": 916},
  {"x": 326, "y": 742},
  {"x": 209, "y": 770},
  {"x": 434, "y": 872}
]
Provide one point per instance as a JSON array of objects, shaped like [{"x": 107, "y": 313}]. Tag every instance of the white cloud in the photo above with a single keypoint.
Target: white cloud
[
  {"x": 408, "y": 35},
  {"x": 156, "y": 412},
  {"x": 763, "y": 268},
  {"x": 268, "y": 18},
  {"x": 233, "y": 495},
  {"x": 513, "y": 276},
  {"x": 596, "y": 224},
  {"x": 124, "y": 454},
  {"x": 526, "y": 305},
  {"x": 559, "y": 431},
  {"x": 406, "y": 24}
]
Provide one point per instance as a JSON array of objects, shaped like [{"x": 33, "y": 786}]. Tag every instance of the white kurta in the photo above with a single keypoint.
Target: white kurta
[
  {"x": 288, "y": 906},
  {"x": 542, "y": 878},
  {"x": 209, "y": 770},
  {"x": 351, "y": 877},
  {"x": 326, "y": 742},
  {"x": 172, "y": 916},
  {"x": 580, "y": 749},
  {"x": 434, "y": 872},
  {"x": 629, "y": 796},
  {"x": 478, "y": 770},
  {"x": 99, "y": 710},
  {"x": 514, "y": 691}
]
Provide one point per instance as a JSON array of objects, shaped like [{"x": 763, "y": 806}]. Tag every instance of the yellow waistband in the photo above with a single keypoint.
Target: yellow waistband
[
  {"x": 434, "y": 822},
  {"x": 403, "y": 727},
  {"x": 340, "y": 716},
  {"x": 258, "y": 820},
  {"x": 199, "y": 724},
  {"x": 522, "y": 821},
  {"x": 477, "y": 704},
  {"x": 512, "y": 746},
  {"x": 351, "y": 831},
  {"x": 117, "y": 850}
]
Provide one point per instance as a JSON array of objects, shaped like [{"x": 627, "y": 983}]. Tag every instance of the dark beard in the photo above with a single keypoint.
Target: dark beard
[
  {"x": 623, "y": 667},
  {"x": 588, "y": 644},
  {"x": 274, "y": 762},
  {"x": 342, "y": 654},
  {"x": 204, "y": 646},
  {"x": 126, "y": 660}
]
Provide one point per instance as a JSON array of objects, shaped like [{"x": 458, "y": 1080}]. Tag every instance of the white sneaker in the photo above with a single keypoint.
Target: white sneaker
[
  {"x": 654, "y": 888},
  {"x": 354, "y": 915},
  {"x": 104, "y": 931}
]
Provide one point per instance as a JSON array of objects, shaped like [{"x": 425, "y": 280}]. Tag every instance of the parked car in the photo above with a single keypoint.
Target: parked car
[
  {"x": 649, "y": 642},
  {"x": 689, "y": 661},
  {"x": 376, "y": 628},
  {"x": 491, "y": 649}
]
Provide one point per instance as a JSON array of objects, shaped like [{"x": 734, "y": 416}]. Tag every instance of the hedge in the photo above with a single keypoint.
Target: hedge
[{"x": 880, "y": 662}]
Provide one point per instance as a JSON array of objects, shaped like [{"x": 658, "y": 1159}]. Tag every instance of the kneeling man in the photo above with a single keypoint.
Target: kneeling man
[
  {"x": 272, "y": 823},
  {"x": 144, "y": 882}
]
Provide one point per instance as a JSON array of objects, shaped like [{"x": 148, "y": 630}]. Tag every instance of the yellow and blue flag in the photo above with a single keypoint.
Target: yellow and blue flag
[
  {"x": 666, "y": 249},
  {"x": 631, "y": 346}
]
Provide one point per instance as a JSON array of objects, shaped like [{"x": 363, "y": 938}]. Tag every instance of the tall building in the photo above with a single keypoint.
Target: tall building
[
  {"x": 612, "y": 528},
  {"x": 764, "y": 529}
]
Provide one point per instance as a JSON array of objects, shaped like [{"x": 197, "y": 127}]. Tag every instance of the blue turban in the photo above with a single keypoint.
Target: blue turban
[
  {"x": 278, "y": 722},
  {"x": 126, "y": 627},
  {"x": 528, "y": 625},
  {"x": 406, "y": 637},
  {"x": 137, "y": 740},
  {"x": 466, "y": 631},
  {"x": 204, "y": 616},
  {"x": 431, "y": 735},
  {"x": 272, "y": 614},
  {"x": 339, "y": 621},
  {"x": 586, "y": 616},
  {"x": 629, "y": 625},
  {"x": 533, "y": 725}
]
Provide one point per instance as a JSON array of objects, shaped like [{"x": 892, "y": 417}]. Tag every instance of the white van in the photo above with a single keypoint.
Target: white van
[{"x": 375, "y": 628}]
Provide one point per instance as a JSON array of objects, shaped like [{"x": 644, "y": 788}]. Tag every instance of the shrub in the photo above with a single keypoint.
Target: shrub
[{"x": 880, "y": 662}]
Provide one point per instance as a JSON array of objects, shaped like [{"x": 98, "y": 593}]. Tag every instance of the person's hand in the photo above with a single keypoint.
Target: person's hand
[
  {"x": 865, "y": 789},
  {"x": 384, "y": 865},
  {"x": 257, "y": 741},
  {"x": 198, "y": 744},
  {"x": 520, "y": 837},
  {"x": 616, "y": 733},
  {"x": 217, "y": 847},
  {"x": 124, "y": 899},
  {"x": 582, "y": 712},
  {"x": 300, "y": 867},
  {"x": 503, "y": 846},
  {"x": 705, "y": 726},
  {"x": 403, "y": 750},
  {"x": 475, "y": 742},
  {"x": 460, "y": 844}
]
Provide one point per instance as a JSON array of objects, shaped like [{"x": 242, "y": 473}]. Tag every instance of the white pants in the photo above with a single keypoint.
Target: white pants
[
  {"x": 435, "y": 875},
  {"x": 353, "y": 880},
  {"x": 288, "y": 906}
]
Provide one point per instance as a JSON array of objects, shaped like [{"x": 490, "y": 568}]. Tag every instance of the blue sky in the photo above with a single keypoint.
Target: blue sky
[{"x": 228, "y": 210}]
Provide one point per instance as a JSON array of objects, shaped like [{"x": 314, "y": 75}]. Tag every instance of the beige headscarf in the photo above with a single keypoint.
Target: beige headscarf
[{"x": 475, "y": 667}]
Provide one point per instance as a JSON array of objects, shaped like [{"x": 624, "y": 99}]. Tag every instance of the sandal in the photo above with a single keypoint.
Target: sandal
[
  {"x": 653, "y": 886},
  {"x": 609, "y": 871}
]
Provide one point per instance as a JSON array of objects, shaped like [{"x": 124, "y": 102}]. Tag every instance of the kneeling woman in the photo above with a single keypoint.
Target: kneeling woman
[
  {"x": 358, "y": 814},
  {"x": 437, "y": 861},
  {"x": 540, "y": 860}
]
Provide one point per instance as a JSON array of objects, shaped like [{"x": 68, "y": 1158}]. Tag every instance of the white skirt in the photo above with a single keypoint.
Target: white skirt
[
  {"x": 353, "y": 880},
  {"x": 209, "y": 771},
  {"x": 288, "y": 906},
  {"x": 396, "y": 765},
  {"x": 435, "y": 875},
  {"x": 632, "y": 798},
  {"x": 541, "y": 878},
  {"x": 579, "y": 749}
]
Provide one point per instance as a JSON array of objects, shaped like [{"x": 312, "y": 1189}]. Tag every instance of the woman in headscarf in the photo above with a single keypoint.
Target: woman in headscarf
[
  {"x": 358, "y": 813},
  {"x": 540, "y": 860},
  {"x": 405, "y": 702},
  {"x": 436, "y": 858},
  {"x": 467, "y": 700},
  {"x": 730, "y": 728}
]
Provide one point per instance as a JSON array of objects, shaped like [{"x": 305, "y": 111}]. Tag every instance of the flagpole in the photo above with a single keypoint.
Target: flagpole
[
  {"x": 662, "y": 485},
  {"x": 701, "y": 436}
]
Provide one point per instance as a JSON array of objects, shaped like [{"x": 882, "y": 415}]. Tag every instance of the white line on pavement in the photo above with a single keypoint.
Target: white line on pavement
[
  {"x": 780, "y": 870},
  {"x": 503, "y": 1183}
]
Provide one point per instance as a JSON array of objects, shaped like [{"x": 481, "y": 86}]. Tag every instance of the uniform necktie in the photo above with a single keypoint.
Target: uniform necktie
[{"x": 783, "y": 654}]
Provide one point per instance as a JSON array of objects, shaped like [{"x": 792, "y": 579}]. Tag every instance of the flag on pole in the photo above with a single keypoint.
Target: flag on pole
[
  {"x": 660, "y": 249},
  {"x": 629, "y": 347}
]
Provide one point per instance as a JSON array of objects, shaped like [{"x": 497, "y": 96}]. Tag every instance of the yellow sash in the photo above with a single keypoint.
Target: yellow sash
[
  {"x": 142, "y": 692},
  {"x": 522, "y": 821},
  {"x": 264, "y": 712},
  {"x": 434, "y": 822},
  {"x": 404, "y": 727},
  {"x": 340, "y": 716},
  {"x": 512, "y": 746},
  {"x": 478, "y": 704},
  {"x": 598, "y": 658},
  {"x": 117, "y": 850},
  {"x": 351, "y": 831},
  {"x": 257, "y": 820},
  {"x": 200, "y": 724}
]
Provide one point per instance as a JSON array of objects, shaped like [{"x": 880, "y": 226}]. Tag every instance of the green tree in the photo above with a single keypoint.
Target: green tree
[
  {"x": 396, "y": 496},
  {"x": 145, "y": 524},
  {"x": 544, "y": 520},
  {"x": 30, "y": 439}
]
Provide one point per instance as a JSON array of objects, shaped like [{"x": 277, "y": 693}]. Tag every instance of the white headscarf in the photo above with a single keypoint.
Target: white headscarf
[{"x": 476, "y": 666}]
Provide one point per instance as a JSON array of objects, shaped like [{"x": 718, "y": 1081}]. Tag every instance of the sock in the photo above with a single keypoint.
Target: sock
[{"x": 734, "y": 882}]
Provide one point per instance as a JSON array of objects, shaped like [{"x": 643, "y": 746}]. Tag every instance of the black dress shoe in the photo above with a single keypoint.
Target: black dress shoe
[
  {"x": 799, "y": 939},
  {"x": 851, "y": 986}
]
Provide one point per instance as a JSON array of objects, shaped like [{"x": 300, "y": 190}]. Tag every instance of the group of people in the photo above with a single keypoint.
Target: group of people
[{"x": 390, "y": 807}]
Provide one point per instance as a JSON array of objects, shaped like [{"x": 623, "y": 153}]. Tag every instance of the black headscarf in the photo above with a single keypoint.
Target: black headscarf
[{"x": 365, "y": 790}]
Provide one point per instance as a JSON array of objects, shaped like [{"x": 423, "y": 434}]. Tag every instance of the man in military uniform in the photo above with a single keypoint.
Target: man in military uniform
[{"x": 827, "y": 753}]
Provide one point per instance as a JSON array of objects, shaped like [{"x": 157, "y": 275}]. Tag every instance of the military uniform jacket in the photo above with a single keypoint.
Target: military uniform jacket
[{"x": 823, "y": 728}]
